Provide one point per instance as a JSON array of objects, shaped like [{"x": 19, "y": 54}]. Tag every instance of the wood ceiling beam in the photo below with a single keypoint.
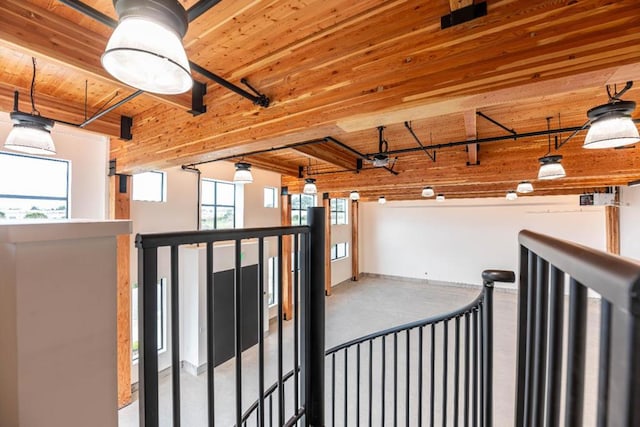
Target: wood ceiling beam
[
  {"x": 268, "y": 163},
  {"x": 41, "y": 33},
  {"x": 328, "y": 153},
  {"x": 472, "y": 133}
]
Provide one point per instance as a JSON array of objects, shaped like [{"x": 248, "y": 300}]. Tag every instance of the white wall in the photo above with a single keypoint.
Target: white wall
[
  {"x": 630, "y": 222},
  {"x": 455, "y": 240},
  {"x": 341, "y": 268},
  {"x": 89, "y": 156}
]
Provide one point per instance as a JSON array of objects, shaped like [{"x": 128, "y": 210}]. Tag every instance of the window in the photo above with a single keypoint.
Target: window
[
  {"x": 270, "y": 198},
  {"x": 149, "y": 187},
  {"x": 162, "y": 317},
  {"x": 339, "y": 251},
  {"x": 299, "y": 205},
  {"x": 272, "y": 271},
  {"x": 338, "y": 211},
  {"x": 33, "y": 187},
  {"x": 218, "y": 205}
]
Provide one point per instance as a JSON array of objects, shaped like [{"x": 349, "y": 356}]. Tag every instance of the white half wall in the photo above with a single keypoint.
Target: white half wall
[
  {"x": 88, "y": 153},
  {"x": 456, "y": 240}
]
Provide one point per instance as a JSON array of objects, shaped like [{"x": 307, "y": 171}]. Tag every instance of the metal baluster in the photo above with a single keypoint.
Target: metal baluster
[
  {"x": 467, "y": 391},
  {"x": 554, "y": 372},
  {"x": 260, "y": 415},
  {"x": 540, "y": 342},
  {"x": 358, "y": 385},
  {"x": 371, "y": 383},
  {"x": 575, "y": 353},
  {"x": 333, "y": 389},
  {"x": 603, "y": 362},
  {"x": 238, "y": 329},
  {"x": 210, "y": 338},
  {"x": 175, "y": 336},
  {"x": 296, "y": 284},
  {"x": 395, "y": 379},
  {"x": 382, "y": 388},
  {"x": 346, "y": 373},
  {"x": 530, "y": 335},
  {"x": 407, "y": 407},
  {"x": 280, "y": 338},
  {"x": 420, "y": 344},
  {"x": 456, "y": 371},
  {"x": 433, "y": 375},
  {"x": 474, "y": 367},
  {"x": 445, "y": 348}
]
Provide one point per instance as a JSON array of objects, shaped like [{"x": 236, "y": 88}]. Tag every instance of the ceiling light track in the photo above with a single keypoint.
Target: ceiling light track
[
  {"x": 497, "y": 123},
  {"x": 410, "y": 129},
  {"x": 259, "y": 99}
]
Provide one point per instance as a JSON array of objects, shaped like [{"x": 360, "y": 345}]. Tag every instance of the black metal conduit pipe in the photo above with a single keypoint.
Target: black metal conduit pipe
[
  {"x": 110, "y": 109},
  {"x": 356, "y": 152},
  {"x": 200, "y": 8},
  {"x": 490, "y": 139},
  {"x": 89, "y": 11},
  {"x": 497, "y": 123}
]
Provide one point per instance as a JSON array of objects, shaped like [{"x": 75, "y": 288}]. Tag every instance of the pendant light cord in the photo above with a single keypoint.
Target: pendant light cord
[{"x": 34, "y": 110}]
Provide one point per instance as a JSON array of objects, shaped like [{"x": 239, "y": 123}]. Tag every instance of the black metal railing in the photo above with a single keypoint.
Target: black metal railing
[
  {"x": 546, "y": 264},
  {"x": 305, "y": 402},
  {"x": 433, "y": 371}
]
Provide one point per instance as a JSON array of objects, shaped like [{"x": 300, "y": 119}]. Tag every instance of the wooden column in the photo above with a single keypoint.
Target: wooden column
[
  {"x": 355, "y": 266},
  {"x": 120, "y": 208},
  {"x": 285, "y": 256},
  {"x": 326, "y": 204},
  {"x": 612, "y": 215}
]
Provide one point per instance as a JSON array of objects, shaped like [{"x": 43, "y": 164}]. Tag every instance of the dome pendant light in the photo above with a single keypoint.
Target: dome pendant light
[
  {"x": 310, "y": 186},
  {"x": 382, "y": 200},
  {"x": 31, "y": 133},
  {"x": 243, "y": 173},
  {"x": 428, "y": 192},
  {"x": 354, "y": 195},
  {"x": 525, "y": 187},
  {"x": 611, "y": 123},
  {"x": 550, "y": 166},
  {"x": 440, "y": 198},
  {"x": 145, "y": 50},
  {"x": 511, "y": 195}
]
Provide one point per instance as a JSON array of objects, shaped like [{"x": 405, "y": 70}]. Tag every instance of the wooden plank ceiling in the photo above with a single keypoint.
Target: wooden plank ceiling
[{"x": 340, "y": 69}]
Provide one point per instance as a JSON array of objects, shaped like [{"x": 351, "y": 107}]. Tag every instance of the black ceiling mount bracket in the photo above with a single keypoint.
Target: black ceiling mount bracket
[
  {"x": 497, "y": 123},
  {"x": 465, "y": 14},
  {"x": 112, "y": 167},
  {"x": 198, "y": 91},
  {"x": 410, "y": 129},
  {"x": 262, "y": 99},
  {"x": 358, "y": 165},
  {"x": 126, "y": 123},
  {"x": 300, "y": 171}
]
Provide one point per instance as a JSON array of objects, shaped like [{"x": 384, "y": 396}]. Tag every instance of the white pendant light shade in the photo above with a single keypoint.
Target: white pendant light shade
[
  {"x": 30, "y": 134},
  {"x": 512, "y": 195},
  {"x": 440, "y": 198},
  {"x": 145, "y": 50},
  {"x": 382, "y": 200},
  {"x": 427, "y": 192},
  {"x": 525, "y": 187},
  {"x": 612, "y": 126},
  {"x": 310, "y": 186},
  {"x": 243, "y": 173},
  {"x": 551, "y": 168},
  {"x": 354, "y": 195}
]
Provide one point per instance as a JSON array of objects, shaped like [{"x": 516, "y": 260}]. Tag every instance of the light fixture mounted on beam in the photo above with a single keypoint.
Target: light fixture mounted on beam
[
  {"x": 382, "y": 200},
  {"x": 511, "y": 195},
  {"x": 611, "y": 123},
  {"x": 310, "y": 186},
  {"x": 354, "y": 195},
  {"x": 31, "y": 133},
  {"x": 145, "y": 50},
  {"x": 550, "y": 165},
  {"x": 243, "y": 173},
  {"x": 524, "y": 187},
  {"x": 440, "y": 198},
  {"x": 428, "y": 192}
]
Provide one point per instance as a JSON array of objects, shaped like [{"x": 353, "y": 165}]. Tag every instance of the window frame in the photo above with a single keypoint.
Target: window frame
[
  {"x": 163, "y": 187},
  {"x": 64, "y": 199},
  {"x": 216, "y": 205},
  {"x": 334, "y": 251},
  {"x": 275, "y": 197},
  {"x": 161, "y": 317},
  {"x": 299, "y": 210},
  {"x": 334, "y": 211}
]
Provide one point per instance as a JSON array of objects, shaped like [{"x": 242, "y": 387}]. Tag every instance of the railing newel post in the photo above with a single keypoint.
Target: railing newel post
[{"x": 314, "y": 322}]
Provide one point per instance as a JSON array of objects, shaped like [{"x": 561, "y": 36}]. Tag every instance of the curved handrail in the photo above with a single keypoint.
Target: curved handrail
[{"x": 411, "y": 325}]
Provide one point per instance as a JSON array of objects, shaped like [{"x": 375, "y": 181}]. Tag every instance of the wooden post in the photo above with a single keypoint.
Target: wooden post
[
  {"x": 326, "y": 204},
  {"x": 355, "y": 266},
  {"x": 120, "y": 208},
  {"x": 612, "y": 215},
  {"x": 285, "y": 256}
]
